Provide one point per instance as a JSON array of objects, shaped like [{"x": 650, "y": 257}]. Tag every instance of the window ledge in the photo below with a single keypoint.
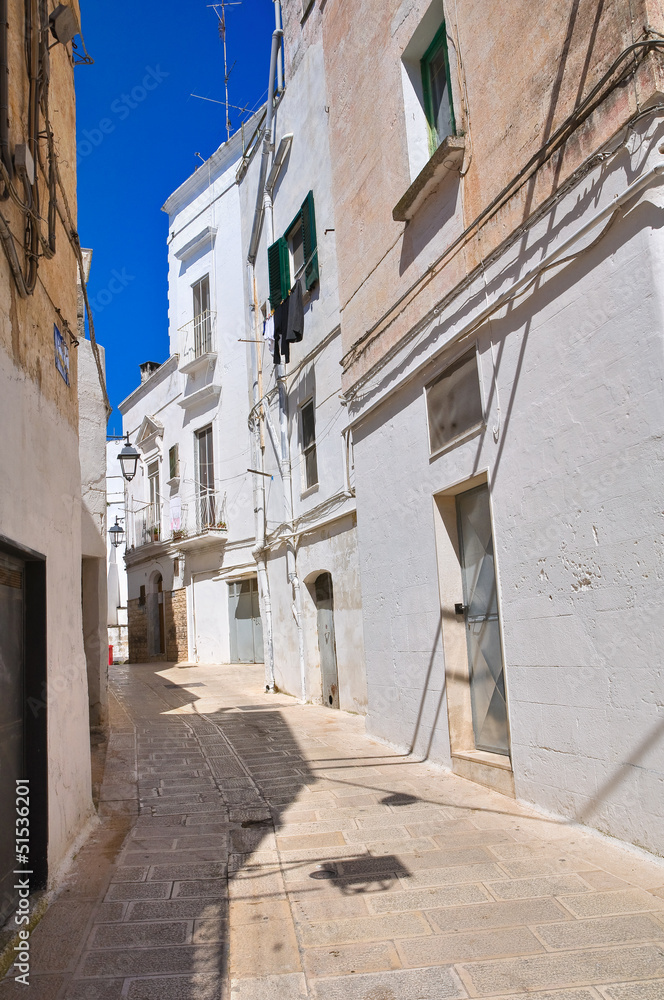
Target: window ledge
[
  {"x": 447, "y": 158},
  {"x": 310, "y": 490}
]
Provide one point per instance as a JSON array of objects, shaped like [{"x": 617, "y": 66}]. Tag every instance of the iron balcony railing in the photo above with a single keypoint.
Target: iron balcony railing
[
  {"x": 191, "y": 516},
  {"x": 197, "y": 337},
  {"x": 145, "y": 525},
  {"x": 201, "y": 513}
]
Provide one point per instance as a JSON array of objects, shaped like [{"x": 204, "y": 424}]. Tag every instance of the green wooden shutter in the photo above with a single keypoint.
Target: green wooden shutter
[
  {"x": 279, "y": 270},
  {"x": 309, "y": 239}
]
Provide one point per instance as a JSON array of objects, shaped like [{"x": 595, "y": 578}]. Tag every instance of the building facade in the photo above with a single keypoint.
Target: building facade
[
  {"x": 497, "y": 195},
  {"x": 309, "y": 539},
  {"x": 44, "y": 701},
  {"x": 192, "y": 585}
]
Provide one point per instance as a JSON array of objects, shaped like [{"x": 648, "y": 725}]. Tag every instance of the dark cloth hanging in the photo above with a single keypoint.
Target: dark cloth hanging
[
  {"x": 281, "y": 345},
  {"x": 295, "y": 326}
]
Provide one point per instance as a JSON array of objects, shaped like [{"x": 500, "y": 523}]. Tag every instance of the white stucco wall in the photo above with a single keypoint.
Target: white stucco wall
[
  {"x": 51, "y": 525},
  {"x": 572, "y": 376}
]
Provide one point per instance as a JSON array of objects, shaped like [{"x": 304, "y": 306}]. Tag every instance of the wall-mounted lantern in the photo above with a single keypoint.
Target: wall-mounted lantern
[
  {"x": 128, "y": 460},
  {"x": 117, "y": 534}
]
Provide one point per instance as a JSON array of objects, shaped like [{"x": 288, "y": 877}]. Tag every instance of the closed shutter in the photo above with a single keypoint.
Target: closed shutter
[
  {"x": 279, "y": 271},
  {"x": 310, "y": 245}
]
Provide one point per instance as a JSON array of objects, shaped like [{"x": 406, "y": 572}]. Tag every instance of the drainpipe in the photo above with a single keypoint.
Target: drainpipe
[
  {"x": 259, "y": 551},
  {"x": 264, "y": 207},
  {"x": 291, "y": 562},
  {"x": 277, "y": 36}
]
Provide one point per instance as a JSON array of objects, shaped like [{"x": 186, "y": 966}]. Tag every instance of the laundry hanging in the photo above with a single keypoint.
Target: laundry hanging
[{"x": 288, "y": 324}]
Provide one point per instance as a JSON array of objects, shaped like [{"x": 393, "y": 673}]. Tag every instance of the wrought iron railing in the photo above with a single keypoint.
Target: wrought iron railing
[
  {"x": 145, "y": 525},
  {"x": 197, "y": 337},
  {"x": 204, "y": 511}
]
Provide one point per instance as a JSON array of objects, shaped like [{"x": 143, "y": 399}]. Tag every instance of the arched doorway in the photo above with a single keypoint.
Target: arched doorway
[{"x": 326, "y": 642}]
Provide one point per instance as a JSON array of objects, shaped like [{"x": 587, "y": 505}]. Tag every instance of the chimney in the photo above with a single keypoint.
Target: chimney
[{"x": 148, "y": 368}]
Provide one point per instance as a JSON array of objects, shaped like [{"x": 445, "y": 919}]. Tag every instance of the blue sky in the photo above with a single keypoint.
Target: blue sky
[{"x": 138, "y": 132}]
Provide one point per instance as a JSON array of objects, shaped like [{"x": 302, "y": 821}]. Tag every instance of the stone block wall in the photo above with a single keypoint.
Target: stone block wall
[
  {"x": 137, "y": 614},
  {"x": 177, "y": 645}
]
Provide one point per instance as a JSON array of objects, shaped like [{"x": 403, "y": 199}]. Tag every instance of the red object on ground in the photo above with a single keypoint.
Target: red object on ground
[{"x": 110, "y": 656}]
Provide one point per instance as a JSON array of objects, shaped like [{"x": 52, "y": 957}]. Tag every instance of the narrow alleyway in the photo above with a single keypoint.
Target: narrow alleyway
[{"x": 204, "y": 880}]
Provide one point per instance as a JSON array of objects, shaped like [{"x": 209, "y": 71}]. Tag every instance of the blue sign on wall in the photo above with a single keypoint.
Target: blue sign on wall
[{"x": 61, "y": 354}]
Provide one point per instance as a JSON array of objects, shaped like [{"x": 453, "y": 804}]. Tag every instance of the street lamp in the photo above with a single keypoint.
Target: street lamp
[
  {"x": 117, "y": 534},
  {"x": 128, "y": 460}
]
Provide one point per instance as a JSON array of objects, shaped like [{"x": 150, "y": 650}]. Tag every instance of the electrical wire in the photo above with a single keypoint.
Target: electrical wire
[{"x": 421, "y": 330}]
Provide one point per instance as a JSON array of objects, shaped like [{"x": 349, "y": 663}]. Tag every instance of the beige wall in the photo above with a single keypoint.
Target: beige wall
[{"x": 516, "y": 76}]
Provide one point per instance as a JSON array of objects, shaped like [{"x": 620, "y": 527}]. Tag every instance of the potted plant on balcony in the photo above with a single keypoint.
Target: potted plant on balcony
[
  {"x": 179, "y": 534},
  {"x": 221, "y": 526},
  {"x": 155, "y": 534}
]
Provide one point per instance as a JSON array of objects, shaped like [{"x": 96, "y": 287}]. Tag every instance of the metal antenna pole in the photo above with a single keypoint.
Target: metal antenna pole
[{"x": 216, "y": 7}]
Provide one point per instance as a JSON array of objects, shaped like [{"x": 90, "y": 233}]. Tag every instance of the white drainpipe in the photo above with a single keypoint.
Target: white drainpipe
[{"x": 259, "y": 551}]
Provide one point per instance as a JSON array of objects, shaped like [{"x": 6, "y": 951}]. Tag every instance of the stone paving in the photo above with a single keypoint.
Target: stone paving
[{"x": 251, "y": 848}]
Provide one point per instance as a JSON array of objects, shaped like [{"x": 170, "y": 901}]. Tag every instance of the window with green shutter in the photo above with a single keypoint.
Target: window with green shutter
[
  {"x": 309, "y": 238},
  {"x": 294, "y": 253},
  {"x": 279, "y": 271},
  {"x": 437, "y": 91}
]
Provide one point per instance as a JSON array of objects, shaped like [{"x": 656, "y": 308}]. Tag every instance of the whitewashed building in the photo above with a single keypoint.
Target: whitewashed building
[
  {"x": 192, "y": 586},
  {"x": 310, "y": 541}
]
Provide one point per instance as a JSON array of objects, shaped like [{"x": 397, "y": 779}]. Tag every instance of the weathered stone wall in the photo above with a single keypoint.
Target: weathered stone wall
[
  {"x": 137, "y": 614},
  {"x": 175, "y": 610}
]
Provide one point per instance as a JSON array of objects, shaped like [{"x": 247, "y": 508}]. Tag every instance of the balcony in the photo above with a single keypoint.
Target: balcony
[
  {"x": 202, "y": 521},
  {"x": 145, "y": 526},
  {"x": 197, "y": 344}
]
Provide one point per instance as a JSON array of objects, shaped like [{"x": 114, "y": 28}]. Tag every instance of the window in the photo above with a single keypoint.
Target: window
[
  {"x": 153, "y": 483},
  {"x": 295, "y": 253},
  {"x": 202, "y": 317},
  {"x": 454, "y": 403},
  {"x": 308, "y": 443},
  {"x": 174, "y": 461},
  {"x": 141, "y": 595},
  {"x": 154, "y": 510},
  {"x": 436, "y": 90},
  {"x": 205, "y": 501}
]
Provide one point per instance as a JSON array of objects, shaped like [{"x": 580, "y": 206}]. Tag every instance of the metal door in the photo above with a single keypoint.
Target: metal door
[
  {"x": 246, "y": 627},
  {"x": 326, "y": 640},
  {"x": 480, "y": 609},
  {"x": 12, "y": 672}
]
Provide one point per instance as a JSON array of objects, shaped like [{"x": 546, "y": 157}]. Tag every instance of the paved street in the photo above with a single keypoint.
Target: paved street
[{"x": 219, "y": 806}]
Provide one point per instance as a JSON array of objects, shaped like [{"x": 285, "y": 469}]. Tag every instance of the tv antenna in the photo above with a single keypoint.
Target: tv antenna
[{"x": 220, "y": 11}]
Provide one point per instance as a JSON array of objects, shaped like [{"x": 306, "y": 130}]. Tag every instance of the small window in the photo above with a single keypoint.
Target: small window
[
  {"x": 174, "y": 461},
  {"x": 295, "y": 254},
  {"x": 437, "y": 91},
  {"x": 153, "y": 480},
  {"x": 454, "y": 403},
  {"x": 141, "y": 595},
  {"x": 308, "y": 444}
]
